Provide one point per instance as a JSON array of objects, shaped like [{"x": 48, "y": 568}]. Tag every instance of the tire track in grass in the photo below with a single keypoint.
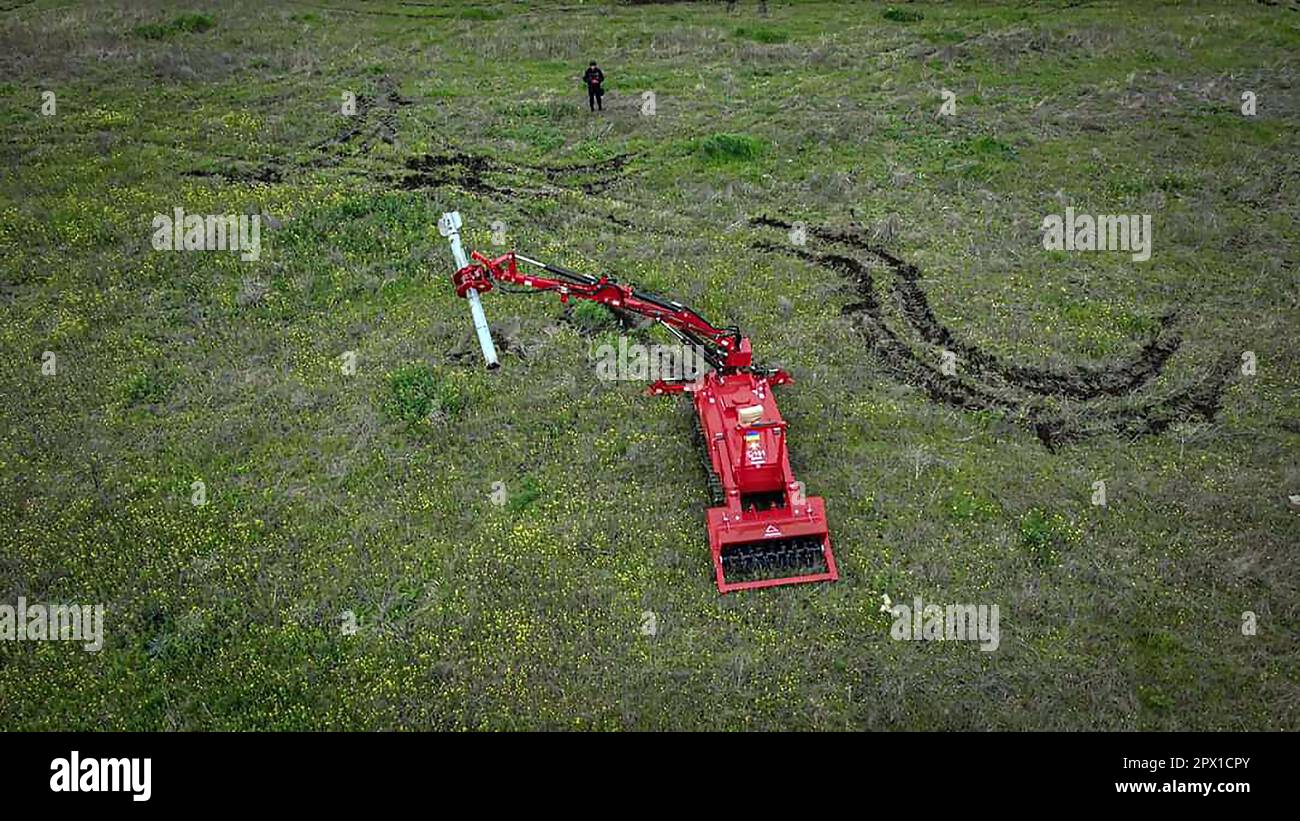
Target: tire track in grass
[
  {"x": 1076, "y": 382},
  {"x": 376, "y": 121},
  {"x": 471, "y": 172},
  {"x": 993, "y": 384}
]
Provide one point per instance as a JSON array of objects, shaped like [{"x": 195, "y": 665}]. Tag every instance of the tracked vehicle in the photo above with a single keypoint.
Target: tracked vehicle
[{"x": 763, "y": 530}]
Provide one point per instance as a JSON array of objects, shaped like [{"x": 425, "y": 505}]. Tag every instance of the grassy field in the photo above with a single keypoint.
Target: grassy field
[{"x": 131, "y": 375}]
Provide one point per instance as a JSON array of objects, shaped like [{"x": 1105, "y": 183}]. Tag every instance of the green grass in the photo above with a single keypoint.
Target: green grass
[
  {"x": 146, "y": 388},
  {"x": 478, "y": 13},
  {"x": 529, "y": 493},
  {"x": 1042, "y": 535},
  {"x": 592, "y": 316},
  {"x": 902, "y": 15},
  {"x": 498, "y": 535},
  {"x": 186, "y": 23},
  {"x": 728, "y": 148},
  {"x": 419, "y": 395},
  {"x": 761, "y": 34}
]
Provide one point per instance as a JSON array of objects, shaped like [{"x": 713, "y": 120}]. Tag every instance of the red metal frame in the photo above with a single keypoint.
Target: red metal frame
[
  {"x": 750, "y": 459},
  {"x": 748, "y": 456}
]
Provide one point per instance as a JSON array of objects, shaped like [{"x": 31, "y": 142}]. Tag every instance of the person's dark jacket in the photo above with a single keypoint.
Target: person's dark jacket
[{"x": 593, "y": 78}]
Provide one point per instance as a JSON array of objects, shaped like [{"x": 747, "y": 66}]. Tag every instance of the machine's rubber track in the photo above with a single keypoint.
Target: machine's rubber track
[
  {"x": 773, "y": 555},
  {"x": 717, "y": 497}
]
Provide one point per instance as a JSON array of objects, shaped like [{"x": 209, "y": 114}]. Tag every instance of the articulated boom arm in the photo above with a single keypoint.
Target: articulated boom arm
[{"x": 723, "y": 348}]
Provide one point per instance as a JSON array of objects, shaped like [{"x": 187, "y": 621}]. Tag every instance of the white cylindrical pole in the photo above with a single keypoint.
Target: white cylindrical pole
[
  {"x": 481, "y": 328},
  {"x": 449, "y": 226}
]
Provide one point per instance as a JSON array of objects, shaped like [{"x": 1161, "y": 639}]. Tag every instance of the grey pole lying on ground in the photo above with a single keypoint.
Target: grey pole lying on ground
[{"x": 449, "y": 227}]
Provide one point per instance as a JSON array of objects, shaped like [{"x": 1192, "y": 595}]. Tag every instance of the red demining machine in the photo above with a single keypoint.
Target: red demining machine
[{"x": 763, "y": 530}]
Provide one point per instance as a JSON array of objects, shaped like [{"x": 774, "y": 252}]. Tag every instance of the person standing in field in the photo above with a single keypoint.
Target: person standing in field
[{"x": 594, "y": 77}]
